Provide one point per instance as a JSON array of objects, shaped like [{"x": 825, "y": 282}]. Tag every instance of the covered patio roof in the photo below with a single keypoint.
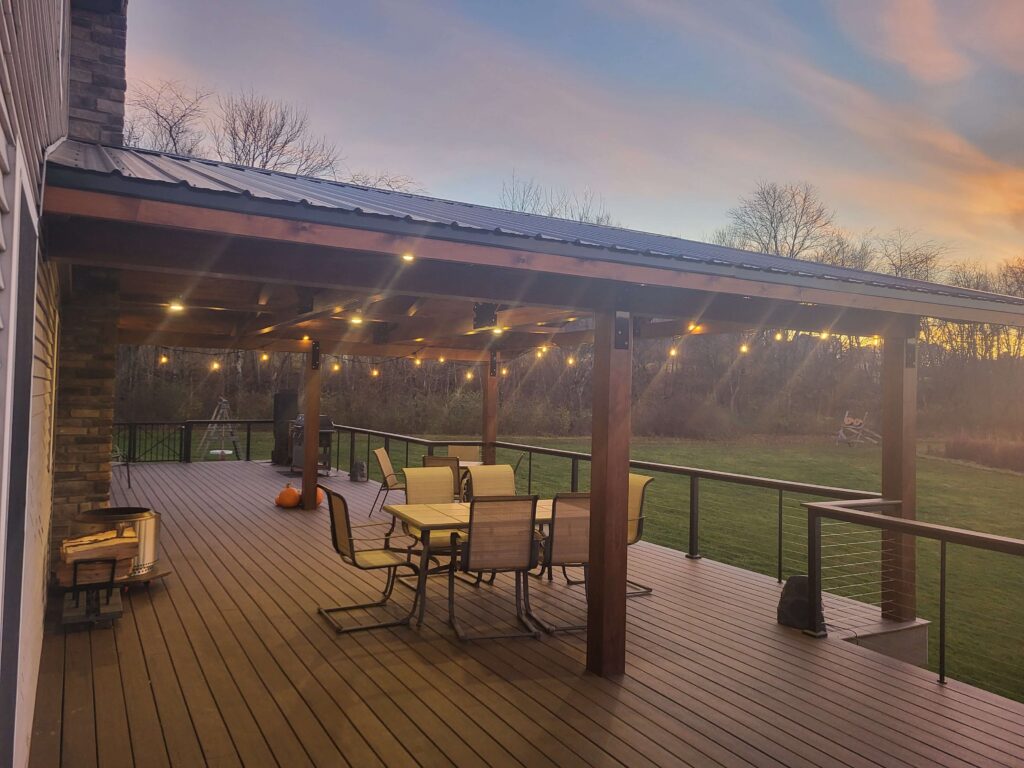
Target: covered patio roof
[
  {"x": 143, "y": 211},
  {"x": 208, "y": 254}
]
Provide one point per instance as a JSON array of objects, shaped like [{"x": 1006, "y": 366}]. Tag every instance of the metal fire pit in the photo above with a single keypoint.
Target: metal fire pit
[{"x": 146, "y": 523}]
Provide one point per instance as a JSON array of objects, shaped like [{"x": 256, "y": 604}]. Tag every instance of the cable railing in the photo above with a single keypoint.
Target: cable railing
[{"x": 990, "y": 580}]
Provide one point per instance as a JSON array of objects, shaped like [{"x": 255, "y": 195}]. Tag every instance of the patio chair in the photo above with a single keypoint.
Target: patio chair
[
  {"x": 452, "y": 462},
  {"x": 429, "y": 485},
  {"x": 465, "y": 452},
  {"x": 567, "y": 544},
  {"x": 365, "y": 560},
  {"x": 491, "y": 480},
  {"x": 501, "y": 538},
  {"x": 635, "y": 531},
  {"x": 389, "y": 480}
]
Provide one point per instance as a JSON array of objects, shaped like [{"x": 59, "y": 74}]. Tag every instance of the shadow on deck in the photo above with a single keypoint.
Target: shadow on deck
[{"x": 226, "y": 662}]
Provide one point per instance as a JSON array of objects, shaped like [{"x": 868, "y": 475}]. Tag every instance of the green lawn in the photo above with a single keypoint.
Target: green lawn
[{"x": 739, "y": 526}]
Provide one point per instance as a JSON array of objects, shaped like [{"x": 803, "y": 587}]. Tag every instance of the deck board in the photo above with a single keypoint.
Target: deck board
[{"x": 225, "y": 662}]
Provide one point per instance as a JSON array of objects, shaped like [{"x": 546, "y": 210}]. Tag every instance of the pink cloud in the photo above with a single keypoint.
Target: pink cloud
[{"x": 908, "y": 33}]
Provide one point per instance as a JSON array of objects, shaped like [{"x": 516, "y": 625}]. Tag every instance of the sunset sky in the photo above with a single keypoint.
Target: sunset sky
[{"x": 903, "y": 112}]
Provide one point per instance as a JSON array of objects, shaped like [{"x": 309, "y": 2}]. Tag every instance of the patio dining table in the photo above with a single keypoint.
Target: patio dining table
[{"x": 442, "y": 517}]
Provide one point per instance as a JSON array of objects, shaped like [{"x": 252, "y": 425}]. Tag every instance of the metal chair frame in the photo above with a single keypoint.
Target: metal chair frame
[{"x": 349, "y": 555}]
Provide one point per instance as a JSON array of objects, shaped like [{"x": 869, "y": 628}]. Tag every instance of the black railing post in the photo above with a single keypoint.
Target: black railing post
[
  {"x": 407, "y": 453},
  {"x": 693, "y": 550},
  {"x": 529, "y": 472},
  {"x": 430, "y": 450},
  {"x": 351, "y": 450},
  {"x": 248, "y": 441},
  {"x": 186, "y": 452},
  {"x": 133, "y": 431},
  {"x": 779, "y": 574},
  {"x": 814, "y": 626},
  {"x": 942, "y": 612},
  {"x": 574, "y": 481}
]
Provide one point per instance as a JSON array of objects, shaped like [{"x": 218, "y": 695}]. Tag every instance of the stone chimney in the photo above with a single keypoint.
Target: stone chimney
[{"x": 97, "y": 84}]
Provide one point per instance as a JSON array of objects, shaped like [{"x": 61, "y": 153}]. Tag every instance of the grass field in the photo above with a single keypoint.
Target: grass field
[{"x": 985, "y": 591}]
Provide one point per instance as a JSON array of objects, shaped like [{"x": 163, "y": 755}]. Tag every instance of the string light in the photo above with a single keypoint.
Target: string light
[
  {"x": 305, "y": 338},
  {"x": 176, "y": 306},
  {"x": 440, "y": 359},
  {"x": 215, "y": 365},
  {"x": 673, "y": 352},
  {"x": 408, "y": 257},
  {"x": 825, "y": 334},
  {"x": 417, "y": 362},
  {"x": 164, "y": 359},
  {"x": 356, "y": 319},
  {"x": 744, "y": 348},
  {"x": 497, "y": 331},
  {"x": 778, "y": 335},
  {"x": 469, "y": 375},
  {"x": 570, "y": 361},
  {"x": 375, "y": 373},
  {"x": 504, "y": 371},
  {"x": 691, "y": 327},
  {"x": 336, "y": 367}
]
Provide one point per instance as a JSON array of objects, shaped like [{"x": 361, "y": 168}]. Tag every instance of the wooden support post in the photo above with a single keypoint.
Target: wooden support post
[
  {"x": 609, "y": 493},
  {"x": 489, "y": 386},
  {"x": 311, "y": 429},
  {"x": 899, "y": 473}
]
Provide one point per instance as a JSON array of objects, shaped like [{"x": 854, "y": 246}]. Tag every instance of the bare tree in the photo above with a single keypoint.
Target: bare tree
[
  {"x": 530, "y": 196},
  {"x": 902, "y": 254},
  {"x": 250, "y": 129},
  {"x": 167, "y": 116},
  {"x": 1010, "y": 277},
  {"x": 781, "y": 219},
  {"x": 396, "y": 182},
  {"x": 839, "y": 249}
]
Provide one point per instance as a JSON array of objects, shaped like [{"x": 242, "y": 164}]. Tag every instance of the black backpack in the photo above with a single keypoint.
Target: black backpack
[{"x": 793, "y": 604}]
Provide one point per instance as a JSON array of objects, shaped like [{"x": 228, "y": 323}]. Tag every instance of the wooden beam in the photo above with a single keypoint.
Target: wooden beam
[
  {"x": 311, "y": 431},
  {"x": 609, "y": 494},
  {"x": 899, "y": 474},
  {"x": 489, "y": 387}
]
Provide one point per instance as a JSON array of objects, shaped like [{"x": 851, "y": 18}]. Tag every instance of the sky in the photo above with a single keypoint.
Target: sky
[{"x": 903, "y": 113}]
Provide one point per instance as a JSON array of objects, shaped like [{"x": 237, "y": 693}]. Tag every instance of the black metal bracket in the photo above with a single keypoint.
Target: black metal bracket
[
  {"x": 314, "y": 354},
  {"x": 622, "y": 328},
  {"x": 492, "y": 370}
]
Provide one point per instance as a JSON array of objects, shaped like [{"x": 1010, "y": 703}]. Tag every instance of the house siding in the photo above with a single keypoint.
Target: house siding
[{"x": 33, "y": 115}]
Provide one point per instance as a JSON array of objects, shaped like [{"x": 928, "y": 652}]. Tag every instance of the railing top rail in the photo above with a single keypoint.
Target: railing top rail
[
  {"x": 190, "y": 421},
  {"x": 405, "y": 438},
  {"x": 855, "y": 512},
  {"x": 809, "y": 489}
]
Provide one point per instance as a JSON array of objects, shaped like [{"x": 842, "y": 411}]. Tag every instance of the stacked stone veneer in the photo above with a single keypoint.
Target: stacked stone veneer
[
  {"x": 84, "y": 423},
  {"x": 97, "y": 81}
]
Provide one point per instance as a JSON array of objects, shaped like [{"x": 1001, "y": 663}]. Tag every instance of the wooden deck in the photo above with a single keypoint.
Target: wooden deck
[{"x": 226, "y": 663}]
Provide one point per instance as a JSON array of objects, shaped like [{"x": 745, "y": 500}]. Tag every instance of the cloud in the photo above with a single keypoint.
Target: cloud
[{"x": 908, "y": 33}]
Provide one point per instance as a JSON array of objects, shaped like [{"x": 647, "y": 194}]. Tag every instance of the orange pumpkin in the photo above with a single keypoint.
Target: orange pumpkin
[
  {"x": 319, "y": 496},
  {"x": 288, "y": 497}
]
